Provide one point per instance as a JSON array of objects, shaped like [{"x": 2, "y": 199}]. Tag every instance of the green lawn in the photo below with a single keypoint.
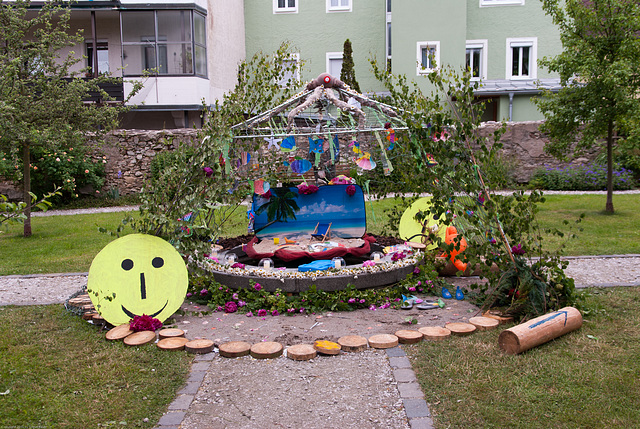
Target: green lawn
[
  {"x": 56, "y": 370},
  {"x": 585, "y": 379},
  {"x": 69, "y": 243}
]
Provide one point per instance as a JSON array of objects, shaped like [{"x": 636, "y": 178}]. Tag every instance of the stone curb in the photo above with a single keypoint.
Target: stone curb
[{"x": 412, "y": 397}]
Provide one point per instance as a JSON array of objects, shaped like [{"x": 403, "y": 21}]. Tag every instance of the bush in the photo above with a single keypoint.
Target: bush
[{"x": 581, "y": 178}]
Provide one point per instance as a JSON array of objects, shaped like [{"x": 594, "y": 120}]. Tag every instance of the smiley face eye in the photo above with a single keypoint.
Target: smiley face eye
[
  {"x": 127, "y": 264},
  {"x": 157, "y": 262}
]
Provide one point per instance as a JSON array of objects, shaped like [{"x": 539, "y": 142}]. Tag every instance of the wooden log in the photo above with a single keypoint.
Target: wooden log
[
  {"x": 539, "y": 330},
  {"x": 435, "y": 333},
  {"x": 234, "y": 349},
  {"x": 301, "y": 352},
  {"x": 199, "y": 346},
  {"x": 89, "y": 315},
  {"x": 383, "y": 341},
  {"x": 327, "y": 347},
  {"x": 140, "y": 338},
  {"x": 172, "y": 343},
  {"x": 484, "y": 323},
  {"x": 119, "y": 332},
  {"x": 170, "y": 333},
  {"x": 460, "y": 328},
  {"x": 408, "y": 336},
  {"x": 353, "y": 343},
  {"x": 266, "y": 350}
]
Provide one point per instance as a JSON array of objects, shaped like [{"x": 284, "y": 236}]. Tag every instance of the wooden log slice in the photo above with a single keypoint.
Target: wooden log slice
[
  {"x": 301, "y": 352},
  {"x": 460, "y": 328},
  {"x": 415, "y": 245},
  {"x": 408, "y": 336},
  {"x": 383, "y": 341},
  {"x": 172, "y": 343},
  {"x": 170, "y": 333},
  {"x": 119, "y": 332},
  {"x": 266, "y": 350},
  {"x": 89, "y": 315},
  {"x": 498, "y": 316},
  {"x": 327, "y": 347},
  {"x": 353, "y": 343},
  {"x": 78, "y": 301},
  {"x": 435, "y": 333},
  {"x": 140, "y": 338},
  {"x": 484, "y": 323},
  {"x": 199, "y": 346},
  {"x": 234, "y": 349}
]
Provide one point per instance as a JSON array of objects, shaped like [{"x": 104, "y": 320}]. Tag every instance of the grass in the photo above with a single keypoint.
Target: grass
[
  {"x": 603, "y": 234},
  {"x": 59, "y": 371},
  {"x": 585, "y": 379},
  {"x": 69, "y": 244},
  {"x": 59, "y": 244}
]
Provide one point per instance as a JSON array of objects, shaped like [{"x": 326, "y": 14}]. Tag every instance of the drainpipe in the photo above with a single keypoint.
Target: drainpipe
[
  {"x": 511, "y": 107},
  {"x": 94, "y": 43}
]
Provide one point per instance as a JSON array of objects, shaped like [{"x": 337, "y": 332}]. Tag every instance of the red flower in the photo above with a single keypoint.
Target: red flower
[
  {"x": 351, "y": 190},
  {"x": 144, "y": 323}
]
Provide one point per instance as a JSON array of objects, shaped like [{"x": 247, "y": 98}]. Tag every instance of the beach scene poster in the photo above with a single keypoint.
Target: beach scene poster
[{"x": 330, "y": 204}]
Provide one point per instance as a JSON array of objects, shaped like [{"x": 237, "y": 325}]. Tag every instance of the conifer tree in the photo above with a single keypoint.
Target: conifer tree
[{"x": 348, "y": 74}]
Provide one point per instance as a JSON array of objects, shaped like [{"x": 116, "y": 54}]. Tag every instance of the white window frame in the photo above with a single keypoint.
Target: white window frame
[
  {"x": 491, "y": 3},
  {"x": 339, "y": 8},
  {"x": 334, "y": 56},
  {"x": 294, "y": 57},
  {"x": 419, "y": 46},
  {"x": 531, "y": 42},
  {"x": 285, "y": 9},
  {"x": 483, "y": 45}
]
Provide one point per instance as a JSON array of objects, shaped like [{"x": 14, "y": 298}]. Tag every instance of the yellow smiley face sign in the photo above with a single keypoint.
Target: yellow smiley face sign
[{"x": 135, "y": 275}]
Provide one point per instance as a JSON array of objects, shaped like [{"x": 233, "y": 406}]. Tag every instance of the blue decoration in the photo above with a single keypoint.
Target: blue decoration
[
  {"x": 315, "y": 145},
  {"x": 446, "y": 294},
  {"x": 459, "y": 294}
]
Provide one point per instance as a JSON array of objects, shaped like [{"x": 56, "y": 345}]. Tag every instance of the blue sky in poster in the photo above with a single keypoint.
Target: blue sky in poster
[{"x": 331, "y": 204}]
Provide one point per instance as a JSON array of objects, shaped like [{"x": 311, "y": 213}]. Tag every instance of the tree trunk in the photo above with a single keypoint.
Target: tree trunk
[
  {"x": 26, "y": 161},
  {"x": 609, "y": 206}
]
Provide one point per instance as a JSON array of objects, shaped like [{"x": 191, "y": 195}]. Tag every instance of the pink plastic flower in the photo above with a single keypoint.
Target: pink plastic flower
[
  {"x": 351, "y": 190},
  {"x": 238, "y": 265},
  {"x": 369, "y": 263},
  {"x": 262, "y": 312},
  {"x": 144, "y": 323},
  {"x": 257, "y": 287},
  {"x": 275, "y": 313}
]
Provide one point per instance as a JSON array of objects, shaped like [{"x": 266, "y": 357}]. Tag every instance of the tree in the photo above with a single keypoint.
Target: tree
[
  {"x": 41, "y": 99},
  {"x": 600, "y": 77},
  {"x": 348, "y": 73}
]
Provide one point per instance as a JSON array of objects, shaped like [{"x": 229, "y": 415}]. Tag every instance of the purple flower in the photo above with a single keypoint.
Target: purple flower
[
  {"x": 262, "y": 312},
  {"x": 351, "y": 190},
  {"x": 257, "y": 287},
  {"x": 385, "y": 305},
  {"x": 189, "y": 294},
  {"x": 412, "y": 289},
  {"x": 241, "y": 303},
  {"x": 235, "y": 296},
  {"x": 250, "y": 314},
  {"x": 352, "y": 300},
  {"x": 416, "y": 270},
  {"x": 204, "y": 292},
  {"x": 220, "y": 308},
  {"x": 362, "y": 301},
  {"x": 517, "y": 249},
  {"x": 208, "y": 171},
  {"x": 419, "y": 283},
  {"x": 275, "y": 313},
  {"x": 230, "y": 307},
  {"x": 372, "y": 307}
]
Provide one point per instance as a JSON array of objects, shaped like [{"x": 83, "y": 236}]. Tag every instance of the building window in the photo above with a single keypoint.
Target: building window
[
  {"x": 522, "y": 58},
  {"x": 476, "y": 58},
  {"x": 285, "y": 6},
  {"x": 428, "y": 54},
  {"x": 334, "y": 63},
  {"x": 102, "y": 49},
  {"x": 291, "y": 72},
  {"x": 163, "y": 42},
  {"x": 338, "y": 5},
  {"x": 489, "y": 3}
]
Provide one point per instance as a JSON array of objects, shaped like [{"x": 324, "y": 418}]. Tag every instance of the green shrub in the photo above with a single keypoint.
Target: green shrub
[{"x": 581, "y": 178}]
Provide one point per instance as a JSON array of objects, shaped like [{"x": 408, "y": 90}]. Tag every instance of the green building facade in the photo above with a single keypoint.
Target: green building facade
[{"x": 499, "y": 40}]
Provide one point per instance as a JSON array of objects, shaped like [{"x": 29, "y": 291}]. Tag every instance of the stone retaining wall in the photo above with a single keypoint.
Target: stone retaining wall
[{"x": 129, "y": 153}]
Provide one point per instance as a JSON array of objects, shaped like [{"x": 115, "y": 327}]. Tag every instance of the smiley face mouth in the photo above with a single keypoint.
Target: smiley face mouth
[{"x": 132, "y": 315}]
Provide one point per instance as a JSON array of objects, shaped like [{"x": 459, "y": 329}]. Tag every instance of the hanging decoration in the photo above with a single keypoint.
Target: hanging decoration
[
  {"x": 365, "y": 162},
  {"x": 288, "y": 144},
  {"x": 300, "y": 166},
  {"x": 272, "y": 142}
]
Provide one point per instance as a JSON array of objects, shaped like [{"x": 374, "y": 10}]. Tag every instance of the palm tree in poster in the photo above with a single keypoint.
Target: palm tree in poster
[{"x": 280, "y": 207}]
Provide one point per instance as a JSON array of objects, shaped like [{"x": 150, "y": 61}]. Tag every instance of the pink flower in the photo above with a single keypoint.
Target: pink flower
[
  {"x": 257, "y": 287},
  {"x": 262, "y": 312},
  {"x": 230, "y": 307},
  {"x": 208, "y": 171},
  {"x": 249, "y": 314},
  {"x": 352, "y": 300},
  {"x": 412, "y": 289},
  {"x": 189, "y": 294},
  {"x": 267, "y": 195},
  {"x": 302, "y": 310},
  {"x": 241, "y": 303},
  {"x": 220, "y": 308},
  {"x": 385, "y": 305},
  {"x": 275, "y": 313},
  {"x": 238, "y": 265},
  {"x": 372, "y": 307},
  {"x": 291, "y": 310},
  {"x": 204, "y": 292},
  {"x": 517, "y": 249},
  {"x": 86, "y": 171},
  {"x": 234, "y": 296},
  {"x": 351, "y": 190},
  {"x": 416, "y": 270},
  {"x": 419, "y": 283},
  {"x": 369, "y": 263},
  {"x": 362, "y": 301}
]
